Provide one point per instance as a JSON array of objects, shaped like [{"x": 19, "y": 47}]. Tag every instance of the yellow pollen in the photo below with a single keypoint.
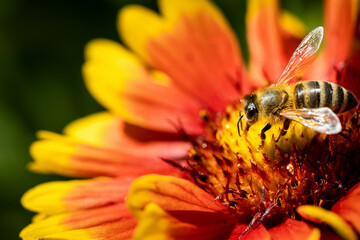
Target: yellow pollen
[
  {"x": 249, "y": 144},
  {"x": 252, "y": 176}
]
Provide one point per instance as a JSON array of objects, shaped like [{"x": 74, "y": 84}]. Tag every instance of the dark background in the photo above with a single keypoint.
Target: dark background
[{"x": 41, "y": 53}]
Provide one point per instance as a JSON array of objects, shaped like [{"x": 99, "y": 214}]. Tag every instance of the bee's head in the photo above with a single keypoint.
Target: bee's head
[{"x": 250, "y": 108}]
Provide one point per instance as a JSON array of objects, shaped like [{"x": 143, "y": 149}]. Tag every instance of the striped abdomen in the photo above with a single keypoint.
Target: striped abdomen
[{"x": 315, "y": 94}]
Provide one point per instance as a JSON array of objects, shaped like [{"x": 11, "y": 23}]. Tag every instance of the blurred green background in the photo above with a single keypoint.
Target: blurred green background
[{"x": 41, "y": 53}]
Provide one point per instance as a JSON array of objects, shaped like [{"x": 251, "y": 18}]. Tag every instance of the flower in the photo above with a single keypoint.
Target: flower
[{"x": 166, "y": 161}]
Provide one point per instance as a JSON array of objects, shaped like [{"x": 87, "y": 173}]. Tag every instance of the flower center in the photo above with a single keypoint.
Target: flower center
[{"x": 274, "y": 177}]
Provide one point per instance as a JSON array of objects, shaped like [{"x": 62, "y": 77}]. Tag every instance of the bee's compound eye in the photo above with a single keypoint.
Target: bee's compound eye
[{"x": 251, "y": 113}]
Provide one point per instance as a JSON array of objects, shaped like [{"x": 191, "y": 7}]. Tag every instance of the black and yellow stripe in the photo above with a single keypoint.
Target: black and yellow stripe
[{"x": 316, "y": 94}]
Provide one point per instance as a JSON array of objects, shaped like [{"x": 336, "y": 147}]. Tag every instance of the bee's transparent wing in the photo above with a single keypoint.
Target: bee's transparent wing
[
  {"x": 322, "y": 120},
  {"x": 302, "y": 55}
]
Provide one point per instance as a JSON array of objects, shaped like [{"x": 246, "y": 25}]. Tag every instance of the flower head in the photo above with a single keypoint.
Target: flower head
[{"x": 167, "y": 160}]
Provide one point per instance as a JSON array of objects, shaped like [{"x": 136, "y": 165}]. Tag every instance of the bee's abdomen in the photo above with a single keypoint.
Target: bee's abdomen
[{"x": 316, "y": 94}]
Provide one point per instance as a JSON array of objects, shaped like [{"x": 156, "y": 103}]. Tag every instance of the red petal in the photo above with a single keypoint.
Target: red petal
[
  {"x": 295, "y": 230},
  {"x": 348, "y": 207},
  {"x": 340, "y": 23},
  {"x": 327, "y": 234},
  {"x": 351, "y": 77},
  {"x": 258, "y": 233},
  {"x": 265, "y": 41}
]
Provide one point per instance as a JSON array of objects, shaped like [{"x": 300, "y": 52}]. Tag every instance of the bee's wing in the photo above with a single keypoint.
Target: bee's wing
[
  {"x": 322, "y": 120},
  {"x": 302, "y": 55}
]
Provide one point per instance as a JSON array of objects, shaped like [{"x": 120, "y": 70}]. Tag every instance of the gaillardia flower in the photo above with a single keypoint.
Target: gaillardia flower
[{"x": 166, "y": 161}]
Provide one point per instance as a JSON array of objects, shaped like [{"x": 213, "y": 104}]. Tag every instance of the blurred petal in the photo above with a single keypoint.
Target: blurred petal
[
  {"x": 318, "y": 214},
  {"x": 97, "y": 146},
  {"x": 293, "y": 30},
  {"x": 264, "y": 40},
  {"x": 295, "y": 230},
  {"x": 348, "y": 207},
  {"x": 254, "y": 234},
  {"x": 351, "y": 76},
  {"x": 119, "y": 81},
  {"x": 328, "y": 234},
  {"x": 340, "y": 22},
  {"x": 191, "y": 41}
]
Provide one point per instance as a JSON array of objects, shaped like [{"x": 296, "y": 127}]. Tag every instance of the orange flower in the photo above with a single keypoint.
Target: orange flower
[{"x": 166, "y": 161}]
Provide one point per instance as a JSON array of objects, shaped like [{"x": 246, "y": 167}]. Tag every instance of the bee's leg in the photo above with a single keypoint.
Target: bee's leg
[
  {"x": 284, "y": 129},
  {"x": 239, "y": 122},
  {"x": 262, "y": 135}
]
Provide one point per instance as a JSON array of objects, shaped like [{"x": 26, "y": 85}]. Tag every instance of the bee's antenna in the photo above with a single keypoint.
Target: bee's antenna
[{"x": 239, "y": 122}]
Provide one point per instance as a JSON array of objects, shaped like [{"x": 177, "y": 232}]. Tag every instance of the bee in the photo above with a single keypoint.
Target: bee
[{"x": 313, "y": 104}]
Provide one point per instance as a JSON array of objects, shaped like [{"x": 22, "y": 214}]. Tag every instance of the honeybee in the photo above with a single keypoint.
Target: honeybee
[{"x": 313, "y": 104}]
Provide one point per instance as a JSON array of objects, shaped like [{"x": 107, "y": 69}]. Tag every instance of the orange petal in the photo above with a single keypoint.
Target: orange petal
[
  {"x": 253, "y": 234},
  {"x": 192, "y": 44},
  {"x": 79, "y": 209},
  {"x": 351, "y": 77},
  {"x": 106, "y": 130},
  {"x": 267, "y": 59},
  {"x": 171, "y": 194},
  {"x": 111, "y": 222},
  {"x": 120, "y": 81},
  {"x": 99, "y": 146},
  {"x": 318, "y": 215},
  {"x": 64, "y": 196},
  {"x": 155, "y": 223},
  {"x": 340, "y": 22},
  {"x": 296, "y": 230},
  {"x": 348, "y": 207}
]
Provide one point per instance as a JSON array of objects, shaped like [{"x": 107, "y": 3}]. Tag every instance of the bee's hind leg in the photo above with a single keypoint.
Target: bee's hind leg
[
  {"x": 284, "y": 129},
  {"x": 262, "y": 135}
]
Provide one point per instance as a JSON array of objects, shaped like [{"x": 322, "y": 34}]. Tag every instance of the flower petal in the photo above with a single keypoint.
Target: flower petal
[
  {"x": 80, "y": 209},
  {"x": 340, "y": 19},
  {"x": 265, "y": 42},
  {"x": 348, "y": 207},
  {"x": 111, "y": 222},
  {"x": 318, "y": 214},
  {"x": 171, "y": 194},
  {"x": 296, "y": 230},
  {"x": 293, "y": 30},
  {"x": 340, "y": 22},
  {"x": 106, "y": 130},
  {"x": 101, "y": 223},
  {"x": 64, "y": 196},
  {"x": 191, "y": 41},
  {"x": 98, "y": 146},
  {"x": 253, "y": 234},
  {"x": 351, "y": 77},
  {"x": 119, "y": 81},
  {"x": 155, "y": 223}
]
